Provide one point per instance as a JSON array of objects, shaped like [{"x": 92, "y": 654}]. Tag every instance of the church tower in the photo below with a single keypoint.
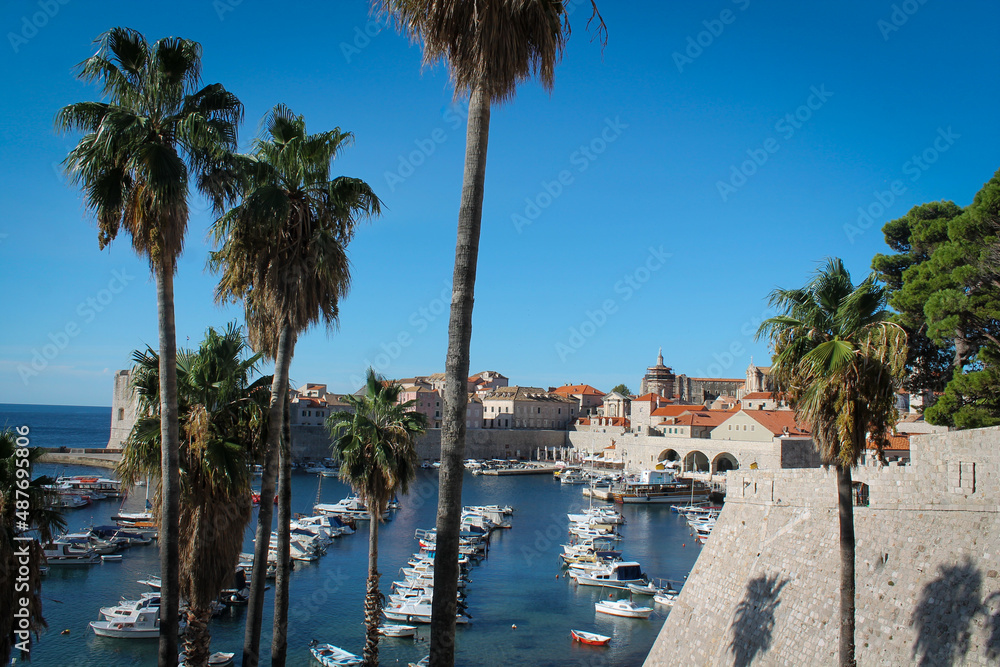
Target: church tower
[{"x": 659, "y": 379}]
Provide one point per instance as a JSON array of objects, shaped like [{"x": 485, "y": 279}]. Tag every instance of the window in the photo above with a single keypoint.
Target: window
[
  {"x": 121, "y": 414},
  {"x": 559, "y": 411},
  {"x": 539, "y": 411},
  {"x": 860, "y": 494}
]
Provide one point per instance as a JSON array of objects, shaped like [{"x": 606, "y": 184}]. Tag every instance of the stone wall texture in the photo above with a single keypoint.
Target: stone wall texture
[{"x": 765, "y": 590}]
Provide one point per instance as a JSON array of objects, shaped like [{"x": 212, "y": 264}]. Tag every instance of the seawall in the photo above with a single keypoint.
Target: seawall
[{"x": 765, "y": 590}]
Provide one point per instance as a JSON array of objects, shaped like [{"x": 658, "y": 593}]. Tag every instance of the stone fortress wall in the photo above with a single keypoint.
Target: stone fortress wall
[{"x": 765, "y": 590}]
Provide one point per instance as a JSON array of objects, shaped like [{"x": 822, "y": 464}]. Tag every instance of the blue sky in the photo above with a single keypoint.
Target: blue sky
[{"x": 711, "y": 152}]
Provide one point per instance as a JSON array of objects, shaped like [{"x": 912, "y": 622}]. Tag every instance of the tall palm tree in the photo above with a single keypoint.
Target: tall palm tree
[
  {"x": 155, "y": 127},
  {"x": 283, "y": 254},
  {"x": 490, "y": 46},
  {"x": 841, "y": 361},
  {"x": 374, "y": 443},
  {"x": 22, "y": 501},
  {"x": 223, "y": 422}
]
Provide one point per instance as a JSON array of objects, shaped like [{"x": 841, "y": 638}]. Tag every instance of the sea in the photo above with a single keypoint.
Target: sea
[{"x": 521, "y": 603}]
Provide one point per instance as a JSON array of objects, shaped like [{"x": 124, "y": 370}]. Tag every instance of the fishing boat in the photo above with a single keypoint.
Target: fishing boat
[
  {"x": 391, "y": 630},
  {"x": 625, "y": 608},
  {"x": 68, "y": 554},
  {"x": 152, "y": 581},
  {"x": 644, "y": 589},
  {"x": 660, "y": 486},
  {"x": 125, "y": 607},
  {"x": 415, "y": 613},
  {"x": 333, "y": 656},
  {"x": 590, "y": 638},
  {"x": 137, "y": 624}
]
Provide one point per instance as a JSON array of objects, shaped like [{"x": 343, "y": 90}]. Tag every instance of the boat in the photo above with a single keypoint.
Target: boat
[
  {"x": 125, "y": 607},
  {"x": 415, "y": 613},
  {"x": 424, "y": 661},
  {"x": 625, "y": 608},
  {"x": 666, "y": 598},
  {"x": 590, "y": 638},
  {"x": 660, "y": 486},
  {"x": 572, "y": 476},
  {"x": 68, "y": 554},
  {"x": 615, "y": 575},
  {"x": 138, "y": 624},
  {"x": 217, "y": 659},
  {"x": 391, "y": 630},
  {"x": 644, "y": 589},
  {"x": 333, "y": 656},
  {"x": 111, "y": 558},
  {"x": 153, "y": 581}
]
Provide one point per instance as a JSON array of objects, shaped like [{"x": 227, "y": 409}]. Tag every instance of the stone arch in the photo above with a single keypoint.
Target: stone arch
[
  {"x": 725, "y": 461},
  {"x": 669, "y": 455},
  {"x": 696, "y": 461}
]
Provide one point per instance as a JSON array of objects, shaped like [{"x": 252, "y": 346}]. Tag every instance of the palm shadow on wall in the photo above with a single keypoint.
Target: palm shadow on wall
[
  {"x": 945, "y": 613},
  {"x": 754, "y": 623}
]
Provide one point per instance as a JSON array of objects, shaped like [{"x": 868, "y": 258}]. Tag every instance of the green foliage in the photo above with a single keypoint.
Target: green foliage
[
  {"x": 839, "y": 359},
  {"x": 621, "y": 389},
  {"x": 944, "y": 282}
]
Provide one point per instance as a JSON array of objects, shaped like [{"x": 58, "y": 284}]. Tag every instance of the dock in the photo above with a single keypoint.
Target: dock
[{"x": 530, "y": 470}]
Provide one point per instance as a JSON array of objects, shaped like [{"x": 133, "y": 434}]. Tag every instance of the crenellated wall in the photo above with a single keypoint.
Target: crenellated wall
[{"x": 765, "y": 590}]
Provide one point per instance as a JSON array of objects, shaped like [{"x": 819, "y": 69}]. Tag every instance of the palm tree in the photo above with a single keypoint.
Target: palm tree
[
  {"x": 283, "y": 254},
  {"x": 22, "y": 501},
  {"x": 841, "y": 361},
  {"x": 490, "y": 46},
  {"x": 374, "y": 443},
  {"x": 222, "y": 419},
  {"x": 138, "y": 148}
]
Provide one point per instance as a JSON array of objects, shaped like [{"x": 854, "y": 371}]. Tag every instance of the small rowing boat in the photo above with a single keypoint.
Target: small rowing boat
[{"x": 590, "y": 638}]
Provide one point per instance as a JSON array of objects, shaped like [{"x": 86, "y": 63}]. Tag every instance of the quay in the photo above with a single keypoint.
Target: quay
[
  {"x": 528, "y": 470},
  {"x": 100, "y": 457}
]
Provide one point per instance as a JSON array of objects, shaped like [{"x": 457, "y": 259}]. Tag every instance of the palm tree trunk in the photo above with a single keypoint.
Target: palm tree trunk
[
  {"x": 470, "y": 216},
  {"x": 255, "y": 605},
  {"x": 197, "y": 638},
  {"x": 846, "y": 506},
  {"x": 169, "y": 466},
  {"x": 373, "y": 597},
  {"x": 279, "y": 641}
]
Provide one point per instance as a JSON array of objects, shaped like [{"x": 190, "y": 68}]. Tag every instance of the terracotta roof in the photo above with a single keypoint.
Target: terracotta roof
[
  {"x": 709, "y": 418},
  {"x": 674, "y": 410},
  {"x": 898, "y": 441},
  {"x": 647, "y": 397},
  {"x": 776, "y": 421},
  {"x": 570, "y": 389}
]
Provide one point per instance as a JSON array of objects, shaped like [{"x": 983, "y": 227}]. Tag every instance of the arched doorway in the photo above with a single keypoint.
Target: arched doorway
[
  {"x": 725, "y": 462},
  {"x": 696, "y": 461}
]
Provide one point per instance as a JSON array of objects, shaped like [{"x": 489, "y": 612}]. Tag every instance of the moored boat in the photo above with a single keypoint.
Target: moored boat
[
  {"x": 393, "y": 630},
  {"x": 138, "y": 624},
  {"x": 660, "y": 486},
  {"x": 625, "y": 608},
  {"x": 591, "y": 638},
  {"x": 333, "y": 656}
]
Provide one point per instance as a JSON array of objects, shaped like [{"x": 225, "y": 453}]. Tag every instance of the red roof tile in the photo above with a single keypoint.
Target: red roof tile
[{"x": 776, "y": 421}]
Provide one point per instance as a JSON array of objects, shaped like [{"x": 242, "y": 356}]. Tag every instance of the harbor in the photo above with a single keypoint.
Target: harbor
[{"x": 521, "y": 603}]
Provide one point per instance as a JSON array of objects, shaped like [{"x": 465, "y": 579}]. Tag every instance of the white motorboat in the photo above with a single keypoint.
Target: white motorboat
[
  {"x": 138, "y": 624},
  {"x": 625, "y": 608},
  {"x": 614, "y": 575},
  {"x": 644, "y": 589},
  {"x": 334, "y": 656},
  {"x": 152, "y": 581},
  {"x": 392, "y": 630},
  {"x": 125, "y": 607},
  {"x": 666, "y": 598},
  {"x": 67, "y": 554},
  {"x": 415, "y": 613}
]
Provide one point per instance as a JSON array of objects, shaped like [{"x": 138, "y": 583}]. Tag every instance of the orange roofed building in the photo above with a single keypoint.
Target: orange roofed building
[{"x": 588, "y": 398}]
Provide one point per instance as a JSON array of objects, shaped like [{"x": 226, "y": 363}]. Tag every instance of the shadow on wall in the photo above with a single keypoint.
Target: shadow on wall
[
  {"x": 946, "y": 614},
  {"x": 754, "y": 621}
]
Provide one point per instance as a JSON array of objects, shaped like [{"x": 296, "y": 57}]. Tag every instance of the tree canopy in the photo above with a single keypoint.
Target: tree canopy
[{"x": 944, "y": 283}]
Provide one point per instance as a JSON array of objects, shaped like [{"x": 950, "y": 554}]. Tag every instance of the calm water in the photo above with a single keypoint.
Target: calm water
[{"x": 520, "y": 583}]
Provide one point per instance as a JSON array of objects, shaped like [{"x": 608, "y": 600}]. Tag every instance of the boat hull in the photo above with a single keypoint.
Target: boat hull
[{"x": 109, "y": 629}]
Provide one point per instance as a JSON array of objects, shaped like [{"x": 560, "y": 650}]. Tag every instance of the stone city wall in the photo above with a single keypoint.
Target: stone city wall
[
  {"x": 313, "y": 443},
  {"x": 765, "y": 590}
]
